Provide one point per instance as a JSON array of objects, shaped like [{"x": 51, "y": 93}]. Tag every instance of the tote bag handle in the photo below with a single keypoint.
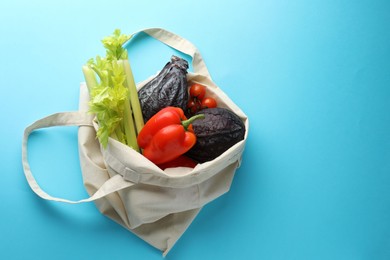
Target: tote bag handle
[
  {"x": 180, "y": 44},
  {"x": 113, "y": 184}
]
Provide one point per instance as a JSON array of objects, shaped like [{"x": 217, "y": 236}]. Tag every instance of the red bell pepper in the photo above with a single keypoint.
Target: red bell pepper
[
  {"x": 167, "y": 135},
  {"x": 181, "y": 161}
]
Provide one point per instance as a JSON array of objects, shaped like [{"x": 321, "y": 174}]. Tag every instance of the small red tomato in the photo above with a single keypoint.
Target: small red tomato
[
  {"x": 193, "y": 106},
  {"x": 197, "y": 91},
  {"x": 209, "y": 103}
]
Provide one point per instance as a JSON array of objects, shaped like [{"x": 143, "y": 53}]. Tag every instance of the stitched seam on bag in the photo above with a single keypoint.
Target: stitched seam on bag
[{"x": 132, "y": 175}]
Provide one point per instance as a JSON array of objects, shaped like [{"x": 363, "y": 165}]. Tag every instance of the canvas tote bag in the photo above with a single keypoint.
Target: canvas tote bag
[{"x": 156, "y": 205}]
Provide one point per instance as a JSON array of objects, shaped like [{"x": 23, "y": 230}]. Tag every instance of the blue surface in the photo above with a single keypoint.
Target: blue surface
[{"x": 313, "y": 77}]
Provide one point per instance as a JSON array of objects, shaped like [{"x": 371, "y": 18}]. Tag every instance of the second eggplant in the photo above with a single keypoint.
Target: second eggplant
[{"x": 216, "y": 133}]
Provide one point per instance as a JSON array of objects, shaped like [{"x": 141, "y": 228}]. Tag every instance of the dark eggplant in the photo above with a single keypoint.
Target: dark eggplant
[
  {"x": 216, "y": 133},
  {"x": 168, "y": 88}
]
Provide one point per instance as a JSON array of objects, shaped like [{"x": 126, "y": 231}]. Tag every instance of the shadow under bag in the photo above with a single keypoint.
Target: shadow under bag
[{"x": 156, "y": 205}]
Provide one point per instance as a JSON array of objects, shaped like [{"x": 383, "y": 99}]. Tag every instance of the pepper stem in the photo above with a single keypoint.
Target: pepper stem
[{"x": 186, "y": 123}]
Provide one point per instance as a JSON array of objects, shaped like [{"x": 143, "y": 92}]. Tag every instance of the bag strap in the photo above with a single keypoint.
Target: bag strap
[
  {"x": 113, "y": 184},
  {"x": 178, "y": 43}
]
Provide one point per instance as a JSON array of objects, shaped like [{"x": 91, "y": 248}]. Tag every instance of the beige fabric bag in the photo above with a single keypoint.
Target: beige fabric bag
[{"x": 156, "y": 205}]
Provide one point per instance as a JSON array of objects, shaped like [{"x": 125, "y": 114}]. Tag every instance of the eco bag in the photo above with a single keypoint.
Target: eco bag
[{"x": 156, "y": 205}]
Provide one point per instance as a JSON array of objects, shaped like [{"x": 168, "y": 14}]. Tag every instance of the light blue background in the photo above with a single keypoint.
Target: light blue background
[{"x": 313, "y": 77}]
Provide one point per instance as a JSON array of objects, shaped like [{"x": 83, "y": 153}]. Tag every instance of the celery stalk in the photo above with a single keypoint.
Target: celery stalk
[
  {"x": 116, "y": 134},
  {"x": 90, "y": 78},
  {"x": 129, "y": 127},
  {"x": 133, "y": 96}
]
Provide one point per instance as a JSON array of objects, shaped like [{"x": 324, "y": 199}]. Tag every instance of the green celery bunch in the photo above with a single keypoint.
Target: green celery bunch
[{"x": 114, "y": 98}]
